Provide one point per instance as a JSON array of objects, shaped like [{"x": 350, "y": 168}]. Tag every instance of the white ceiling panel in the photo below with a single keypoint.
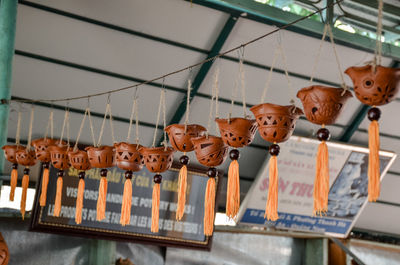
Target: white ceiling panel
[
  {"x": 390, "y": 188},
  {"x": 173, "y": 19},
  {"x": 380, "y": 217},
  {"x": 300, "y": 51},
  {"x": 67, "y": 39},
  {"x": 37, "y": 79}
]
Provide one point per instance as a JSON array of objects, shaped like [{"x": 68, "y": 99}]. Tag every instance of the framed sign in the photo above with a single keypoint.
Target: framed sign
[
  {"x": 348, "y": 182},
  {"x": 187, "y": 233}
]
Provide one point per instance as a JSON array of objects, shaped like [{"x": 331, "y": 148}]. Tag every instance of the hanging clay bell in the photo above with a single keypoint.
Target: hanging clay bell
[
  {"x": 10, "y": 152},
  {"x": 42, "y": 148},
  {"x": 237, "y": 132},
  {"x": 210, "y": 151},
  {"x": 157, "y": 159},
  {"x": 101, "y": 157},
  {"x": 26, "y": 157},
  {"x": 59, "y": 156},
  {"x": 322, "y": 105},
  {"x": 180, "y": 140},
  {"x": 377, "y": 87},
  {"x": 128, "y": 157},
  {"x": 79, "y": 159},
  {"x": 374, "y": 86},
  {"x": 276, "y": 123}
]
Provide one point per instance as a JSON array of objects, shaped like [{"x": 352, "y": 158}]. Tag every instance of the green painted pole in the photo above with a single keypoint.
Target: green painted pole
[{"x": 8, "y": 17}]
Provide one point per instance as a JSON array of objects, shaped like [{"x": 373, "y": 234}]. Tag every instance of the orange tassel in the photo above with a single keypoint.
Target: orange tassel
[
  {"x": 233, "y": 191},
  {"x": 209, "y": 207},
  {"x": 57, "y": 202},
  {"x": 102, "y": 199},
  {"x": 79, "y": 201},
  {"x": 271, "y": 209},
  {"x": 373, "y": 162},
  {"x": 13, "y": 183},
  {"x": 321, "y": 183},
  {"x": 126, "y": 203},
  {"x": 182, "y": 185},
  {"x": 45, "y": 182},
  {"x": 155, "y": 209},
  {"x": 25, "y": 184}
]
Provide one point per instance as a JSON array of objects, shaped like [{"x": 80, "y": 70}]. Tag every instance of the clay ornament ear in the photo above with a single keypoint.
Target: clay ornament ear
[{"x": 301, "y": 95}]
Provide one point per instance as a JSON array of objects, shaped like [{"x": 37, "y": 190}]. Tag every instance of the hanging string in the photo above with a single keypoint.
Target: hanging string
[
  {"x": 66, "y": 117},
  {"x": 189, "y": 88},
  {"x": 321, "y": 44},
  {"x": 87, "y": 114},
  {"x": 50, "y": 125},
  {"x": 378, "y": 47},
  {"x": 18, "y": 133},
  {"x": 194, "y": 65},
  {"x": 291, "y": 89},
  {"x": 266, "y": 87},
  {"x": 107, "y": 112},
  {"x": 345, "y": 88},
  {"x": 233, "y": 97},
  {"x": 134, "y": 112},
  {"x": 164, "y": 142},
  {"x": 216, "y": 90},
  {"x": 28, "y": 146},
  {"x": 242, "y": 80},
  {"x": 214, "y": 97},
  {"x": 162, "y": 95}
]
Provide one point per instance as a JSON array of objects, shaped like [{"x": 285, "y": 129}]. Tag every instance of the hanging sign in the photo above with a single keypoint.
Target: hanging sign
[
  {"x": 185, "y": 233},
  {"x": 348, "y": 182}
]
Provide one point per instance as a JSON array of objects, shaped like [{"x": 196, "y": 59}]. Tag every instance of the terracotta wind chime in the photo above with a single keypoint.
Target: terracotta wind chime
[
  {"x": 157, "y": 160},
  {"x": 180, "y": 136},
  {"x": 322, "y": 106},
  {"x": 276, "y": 124},
  {"x": 80, "y": 161},
  {"x": 26, "y": 157},
  {"x": 102, "y": 156},
  {"x": 236, "y": 132},
  {"x": 128, "y": 158},
  {"x": 10, "y": 153},
  {"x": 211, "y": 151},
  {"x": 42, "y": 153},
  {"x": 59, "y": 160},
  {"x": 375, "y": 85}
]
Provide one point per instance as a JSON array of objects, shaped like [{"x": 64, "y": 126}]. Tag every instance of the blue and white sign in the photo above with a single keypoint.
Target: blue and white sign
[{"x": 348, "y": 167}]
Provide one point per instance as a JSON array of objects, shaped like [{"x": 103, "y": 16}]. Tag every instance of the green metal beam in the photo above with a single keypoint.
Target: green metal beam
[
  {"x": 387, "y": 8},
  {"x": 8, "y": 17},
  {"x": 205, "y": 68},
  {"x": 274, "y": 16}
]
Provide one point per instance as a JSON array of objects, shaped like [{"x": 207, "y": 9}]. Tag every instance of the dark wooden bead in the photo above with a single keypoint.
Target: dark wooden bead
[
  {"x": 157, "y": 178},
  {"x": 274, "y": 149},
  {"x": 234, "y": 154},
  {"x": 212, "y": 172},
  {"x": 26, "y": 171},
  {"x": 60, "y": 173},
  {"x": 82, "y": 175},
  {"x": 184, "y": 160},
  {"x": 374, "y": 114},
  {"x": 323, "y": 134},
  {"x": 46, "y": 165},
  {"x": 103, "y": 172},
  {"x": 128, "y": 174},
  {"x": 15, "y": 166}
]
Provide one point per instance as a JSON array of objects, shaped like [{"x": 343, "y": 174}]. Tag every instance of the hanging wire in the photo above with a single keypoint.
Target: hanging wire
[
  {"x": 107, "y": 112},
  {"x": 66, "y": 117},
  {"x": 28, "y": 146},
  {"x": 50, "y": 125},
  {"x": 285, "y": 66},
  {"x": 233, "y": 97},
  {"x": 267, "y": 83},
  {"x": 242, "y": 80},
  {"x": 133, "y": 114},
  {"x": 18, "y": 133},
  {"x": 87, "y": 114},
  {"x": 162, "y": 94},
  {"x": 191, "y": 66},
  {"x": 213, "y": 98},
  {"x": 321, "y": 44},
  {"x": 189, "y": 88},
  {"x": 378, "y": 47}
]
